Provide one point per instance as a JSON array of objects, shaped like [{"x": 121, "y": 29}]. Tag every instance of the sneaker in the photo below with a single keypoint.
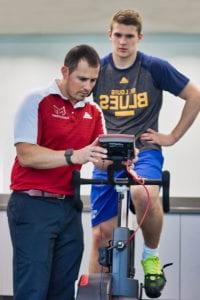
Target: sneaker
[{"x": 154, "y": 278}]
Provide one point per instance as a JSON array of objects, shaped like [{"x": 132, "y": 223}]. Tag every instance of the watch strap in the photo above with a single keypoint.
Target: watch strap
[{"x": 68, "y": 154}]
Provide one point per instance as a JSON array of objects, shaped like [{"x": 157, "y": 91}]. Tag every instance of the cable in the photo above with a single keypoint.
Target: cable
[{"x": 140, "y": 181}]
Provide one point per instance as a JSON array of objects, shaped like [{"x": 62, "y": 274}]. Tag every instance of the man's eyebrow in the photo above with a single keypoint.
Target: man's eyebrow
[
  {"x": 129, "y": 35},
  {"x": 82, "y": 77},
  {"x": 86, "y": 78}
]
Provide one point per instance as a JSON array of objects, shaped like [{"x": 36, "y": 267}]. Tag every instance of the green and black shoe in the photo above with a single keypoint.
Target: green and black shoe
[{"x": 154, "y": 278}]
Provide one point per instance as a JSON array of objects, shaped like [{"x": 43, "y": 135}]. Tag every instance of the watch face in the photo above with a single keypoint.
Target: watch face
[{"x": 68, "y": 154}]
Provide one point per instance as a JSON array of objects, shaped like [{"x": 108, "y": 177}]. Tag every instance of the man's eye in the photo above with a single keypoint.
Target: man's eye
[
  {"x": 82, "y": 78},
  {"x": 129, "y": 36},
  {"x": 118, "y": 35}
]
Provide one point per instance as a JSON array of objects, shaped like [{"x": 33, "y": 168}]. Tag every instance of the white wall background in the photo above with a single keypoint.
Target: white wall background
[
  {"x": 31, "y": 61},
  {"x": 92, "y": 16}
]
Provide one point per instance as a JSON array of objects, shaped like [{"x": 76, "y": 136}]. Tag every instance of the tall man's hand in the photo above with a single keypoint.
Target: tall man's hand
[{"x": 155, "y": 137}]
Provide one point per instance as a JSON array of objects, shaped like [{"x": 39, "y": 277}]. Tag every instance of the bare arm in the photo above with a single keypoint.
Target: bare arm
[
  {"x": 39, "y": 157},
  {"x": 191, "y": 95}
]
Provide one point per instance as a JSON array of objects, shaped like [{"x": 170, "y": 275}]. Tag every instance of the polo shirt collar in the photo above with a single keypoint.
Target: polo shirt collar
[{"x": 54, "y": 89}]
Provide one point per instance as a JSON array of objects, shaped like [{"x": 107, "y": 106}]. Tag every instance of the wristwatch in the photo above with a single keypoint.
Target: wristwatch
[{"x": 68, "y": 154}]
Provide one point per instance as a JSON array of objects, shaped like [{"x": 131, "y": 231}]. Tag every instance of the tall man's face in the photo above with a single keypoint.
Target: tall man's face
[{"x": 125, "y": 39}]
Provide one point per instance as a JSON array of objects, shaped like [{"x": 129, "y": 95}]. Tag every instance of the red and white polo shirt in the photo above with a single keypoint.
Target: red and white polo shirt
[{"x": 48, "y": 119}]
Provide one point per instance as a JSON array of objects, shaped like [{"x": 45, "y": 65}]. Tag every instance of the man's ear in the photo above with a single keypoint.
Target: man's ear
[
  {"x": 109, "y": 34},
  {"x": 141, "y": 36},
  {"x": 65, "y": 72}
]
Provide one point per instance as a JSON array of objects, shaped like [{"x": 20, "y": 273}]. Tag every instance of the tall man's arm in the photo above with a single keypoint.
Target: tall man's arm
[{"x": 191, "y": 95}]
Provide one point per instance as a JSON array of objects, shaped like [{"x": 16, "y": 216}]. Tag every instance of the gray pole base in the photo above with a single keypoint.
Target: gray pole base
[{"x": 122, "y": 284}]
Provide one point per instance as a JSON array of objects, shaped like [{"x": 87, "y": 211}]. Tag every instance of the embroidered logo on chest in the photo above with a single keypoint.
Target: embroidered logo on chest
[
  {"x": 87, "y": 116},
  {"x": 59, "y": 112}
]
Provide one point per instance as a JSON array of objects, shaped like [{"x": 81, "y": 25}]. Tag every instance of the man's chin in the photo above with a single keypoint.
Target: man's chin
[
  {"x": 82, "y": 97},
  {"x": 123, "y": 54}
]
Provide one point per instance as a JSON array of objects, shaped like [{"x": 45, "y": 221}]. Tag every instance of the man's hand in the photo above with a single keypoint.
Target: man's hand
[
  {"x": 103, "y": 164},
  {"x": 155, "y": 137},
  {"x": 92, "y": 153}
]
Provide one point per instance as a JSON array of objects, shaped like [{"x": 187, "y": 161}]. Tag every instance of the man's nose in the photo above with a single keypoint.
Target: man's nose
[
  {"x": 123, "y": 40},
  {"x": 88, "y": 85}
]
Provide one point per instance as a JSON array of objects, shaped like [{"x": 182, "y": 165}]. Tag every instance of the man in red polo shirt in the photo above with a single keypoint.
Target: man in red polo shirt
[{"x": 56, "y": 132}]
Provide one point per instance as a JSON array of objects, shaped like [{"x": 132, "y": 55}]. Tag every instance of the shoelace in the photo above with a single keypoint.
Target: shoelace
[{"x": 152, "y": 266}]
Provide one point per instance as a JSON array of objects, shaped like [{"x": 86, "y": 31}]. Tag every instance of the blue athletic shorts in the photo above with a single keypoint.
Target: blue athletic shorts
[{"x": 104, "y": 197}]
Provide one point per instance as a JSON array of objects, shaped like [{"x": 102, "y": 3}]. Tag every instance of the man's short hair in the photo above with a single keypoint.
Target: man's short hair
[
  {"x": 127, "y": 17},
  {"x": 81, "y": 52}
]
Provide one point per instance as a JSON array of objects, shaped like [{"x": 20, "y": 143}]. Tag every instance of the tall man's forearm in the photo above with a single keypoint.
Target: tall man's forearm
[{"x": 189, "y": 114}]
